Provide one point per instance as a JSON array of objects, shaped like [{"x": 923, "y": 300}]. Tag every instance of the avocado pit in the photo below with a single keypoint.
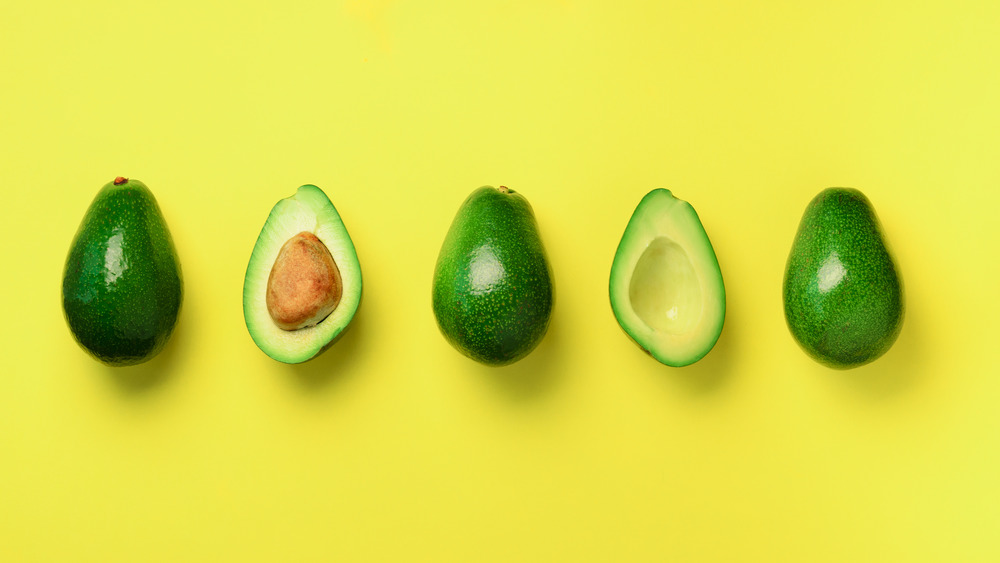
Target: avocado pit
[{"x": 304, "y": 286}]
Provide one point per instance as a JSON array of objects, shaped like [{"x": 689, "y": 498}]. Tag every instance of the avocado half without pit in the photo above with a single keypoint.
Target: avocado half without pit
[
  {"x": 666, "y": 286},
  {"x": 303, "y": 282}
]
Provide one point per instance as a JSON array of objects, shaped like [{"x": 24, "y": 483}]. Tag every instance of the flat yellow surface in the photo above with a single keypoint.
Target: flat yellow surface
[{"x": 394, "y": 447}]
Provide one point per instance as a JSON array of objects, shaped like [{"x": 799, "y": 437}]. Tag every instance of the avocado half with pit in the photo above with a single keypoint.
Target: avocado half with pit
[
  {"x": 303, "y": 282},
  {"x": 666, "y": 286}
]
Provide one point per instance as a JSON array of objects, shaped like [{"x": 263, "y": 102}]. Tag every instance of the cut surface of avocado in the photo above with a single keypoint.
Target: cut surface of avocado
[
  {"x": 307, "y": 219},
  {"x": 666, "y": 287}
]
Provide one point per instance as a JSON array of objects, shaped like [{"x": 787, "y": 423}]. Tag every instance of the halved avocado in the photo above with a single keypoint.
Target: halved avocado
[
  {"x": 303, "y": 282},
  {"x": 666, "y": 287}
]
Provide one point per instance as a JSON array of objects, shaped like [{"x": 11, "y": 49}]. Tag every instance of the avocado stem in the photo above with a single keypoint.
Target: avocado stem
[
  {"x": 120, "y": 180},
  {"x": 503, "y": 189}
]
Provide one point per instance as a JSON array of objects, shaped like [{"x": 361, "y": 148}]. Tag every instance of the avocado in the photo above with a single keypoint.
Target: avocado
[
  {"x": 666, "y": 286},
  {"x": 842, "y": 289},
  {"x": 492, "y": 290},
  {"x": 122, "y": 285},
  {"x": 303, "y": 282}
]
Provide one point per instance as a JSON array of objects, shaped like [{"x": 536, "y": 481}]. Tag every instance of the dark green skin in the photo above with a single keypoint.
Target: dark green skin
[
  {"x": 494, "y": 315},
  {"x": 855, "y": 320},
  {"x": 122, "y": 284}
]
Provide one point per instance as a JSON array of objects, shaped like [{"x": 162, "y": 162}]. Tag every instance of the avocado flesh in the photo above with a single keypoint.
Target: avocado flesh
[
  {"x": 122, "y": 287},
  {"x": 308, "y": 210},
  {"x": 842, "y": 290},
  {"x": 666, "y": 287},
  {"x": 492, "y": 290}
]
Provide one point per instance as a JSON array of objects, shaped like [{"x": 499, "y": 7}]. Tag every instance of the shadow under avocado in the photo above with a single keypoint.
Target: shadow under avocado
[
  {"x": 896, "y": 372},
  {"x": 336, "y": 362},
  {"x": 535, "y": 375},
  {"x": 707, "y": 375},
  {"x": 145, "y": 377},
  {"x": 710, "y": 373}
]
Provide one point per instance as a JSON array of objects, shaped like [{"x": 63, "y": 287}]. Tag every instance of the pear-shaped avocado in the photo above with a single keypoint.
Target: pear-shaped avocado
[
  {"x": 842, "y": 289},
  {"x": 122, "y": 284},
  {"x": 493, "y": 292},
  {"x": 666, "y": 286},
  {"x": 303, "y": 282}
]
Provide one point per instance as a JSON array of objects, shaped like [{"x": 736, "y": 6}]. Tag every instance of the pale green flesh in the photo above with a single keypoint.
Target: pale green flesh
[
  {"x": 308, "y": 210},
  {"x": 665, "y": 291},
  {"x": 666, "y": 287}
]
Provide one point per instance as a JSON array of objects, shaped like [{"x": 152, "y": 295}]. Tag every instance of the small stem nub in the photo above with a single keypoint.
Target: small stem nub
[
  {"x": 120, "y": 180},
  {"x": 503, "y": 189}
]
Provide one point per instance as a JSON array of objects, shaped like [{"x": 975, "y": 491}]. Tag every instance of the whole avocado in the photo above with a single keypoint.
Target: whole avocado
[
  {"x": 842, "y": 289},
  {"x": 493, "y": 291},
  {"x": 122, "y": 285}
]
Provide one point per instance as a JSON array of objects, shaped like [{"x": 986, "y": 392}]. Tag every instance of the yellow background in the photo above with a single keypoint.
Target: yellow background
[{"x": 393, "y": 446}]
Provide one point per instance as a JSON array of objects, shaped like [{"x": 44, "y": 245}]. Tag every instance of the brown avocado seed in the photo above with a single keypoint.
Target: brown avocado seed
[{"x": 305, "y": 285}]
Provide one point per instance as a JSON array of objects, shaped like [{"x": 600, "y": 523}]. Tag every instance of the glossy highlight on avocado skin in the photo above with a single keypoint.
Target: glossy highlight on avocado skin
[
  {"x": 843, "y": 293},
  {"x": 122, "y": 285}
]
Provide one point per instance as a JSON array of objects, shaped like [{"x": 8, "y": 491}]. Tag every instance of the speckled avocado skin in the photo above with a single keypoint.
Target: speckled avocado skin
[
  {"x": 492, "y": 291},
  {"x": 842, "y": 289},
  {"x": 122, "y": 284}
]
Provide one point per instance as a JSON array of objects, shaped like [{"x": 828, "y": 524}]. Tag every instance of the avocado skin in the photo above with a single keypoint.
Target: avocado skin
[
  {"x": 122, "y": 286},
  {"x": 493, "y": 291},
  {"x": 844, "y": 315}
]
